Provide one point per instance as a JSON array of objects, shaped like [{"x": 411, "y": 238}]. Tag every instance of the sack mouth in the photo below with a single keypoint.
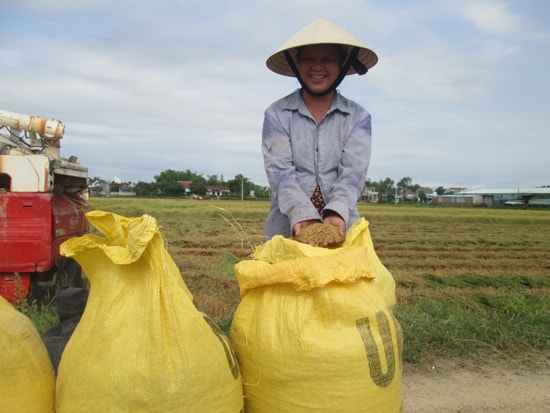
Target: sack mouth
[
  {"x": 125, "y": 239},
  {"x": 305, "y": 273}
]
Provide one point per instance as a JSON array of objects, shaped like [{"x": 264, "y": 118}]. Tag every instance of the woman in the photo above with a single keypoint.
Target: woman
[{"x": 316, "y": 143}]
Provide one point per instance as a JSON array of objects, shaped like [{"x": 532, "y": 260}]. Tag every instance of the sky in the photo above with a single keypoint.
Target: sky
[{"x": 459, "y": 97}]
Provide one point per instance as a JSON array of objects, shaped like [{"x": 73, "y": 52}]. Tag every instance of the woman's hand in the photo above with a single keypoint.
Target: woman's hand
[
  {"x": 332, "y": 219},
  {"x": 299, "y": 226},
  {"x": 337, "y": 221}
]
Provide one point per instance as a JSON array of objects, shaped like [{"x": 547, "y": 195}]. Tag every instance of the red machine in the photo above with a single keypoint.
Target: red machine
[{"x": 43, "y": 201}]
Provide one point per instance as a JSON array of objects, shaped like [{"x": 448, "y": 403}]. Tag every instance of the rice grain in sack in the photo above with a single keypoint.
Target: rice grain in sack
[
  {"x": 141, "y": 345},
  {"x": 27, "y": 379},
  {"x": 314, "y": 331}
]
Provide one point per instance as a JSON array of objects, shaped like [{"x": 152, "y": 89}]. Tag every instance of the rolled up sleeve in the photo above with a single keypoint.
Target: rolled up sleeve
[{"x": 281, "y": 173}]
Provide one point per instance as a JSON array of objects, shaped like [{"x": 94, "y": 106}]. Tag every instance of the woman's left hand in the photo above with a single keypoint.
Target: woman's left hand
[{"x": 335, "y": 220}]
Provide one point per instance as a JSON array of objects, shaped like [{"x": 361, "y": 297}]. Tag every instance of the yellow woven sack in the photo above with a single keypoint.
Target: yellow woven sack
[
  {"x": 141, "y": 345},
  {"x": 27, "y": 379},
  {"x": 314, "y": 331}
]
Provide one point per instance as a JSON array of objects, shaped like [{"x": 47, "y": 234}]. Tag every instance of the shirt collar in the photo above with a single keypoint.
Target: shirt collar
[{"x": 296, "y": 102}]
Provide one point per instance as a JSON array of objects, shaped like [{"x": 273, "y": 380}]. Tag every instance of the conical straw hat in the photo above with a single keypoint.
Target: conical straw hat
[{"x": 320, "y": 31}]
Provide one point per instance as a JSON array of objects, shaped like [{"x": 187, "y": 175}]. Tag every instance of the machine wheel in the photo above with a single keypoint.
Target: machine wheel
[
  {"x": 42, "y": 287},
  {"x": 69, "y": 274},
  {"x": 66, "y": 273}
]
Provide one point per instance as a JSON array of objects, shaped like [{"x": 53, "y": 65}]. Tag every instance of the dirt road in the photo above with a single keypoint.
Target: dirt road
[{"x": 452, "y": 387}]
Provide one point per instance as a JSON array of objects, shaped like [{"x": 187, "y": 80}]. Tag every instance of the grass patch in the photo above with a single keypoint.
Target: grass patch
[
  {"x": 228, "y": 263},
  {"x": 225, "y": 325},
  {"x": 481, "y": 281},
  {"x": 509, "y": 325},
  {"x": 42, "y": 316}
]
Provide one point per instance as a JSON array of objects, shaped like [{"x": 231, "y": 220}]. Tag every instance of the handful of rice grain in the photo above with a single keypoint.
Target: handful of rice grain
[{"x": 319, "y": 234}]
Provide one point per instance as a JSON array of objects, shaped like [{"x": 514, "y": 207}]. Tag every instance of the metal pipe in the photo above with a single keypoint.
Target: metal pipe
[{"x": 50, "y": 129}]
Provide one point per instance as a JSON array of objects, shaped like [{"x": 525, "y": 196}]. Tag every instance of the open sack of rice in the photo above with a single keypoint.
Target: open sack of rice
[{"x": 314, "y": 331}]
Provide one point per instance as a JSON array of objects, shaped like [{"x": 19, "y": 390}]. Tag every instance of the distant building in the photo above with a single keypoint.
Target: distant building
[
  {"x": 454, "y": 190},
  {"x": 497, "y": 196},
  {"x": 104, "y": 188},
  {"x": 461, "y": 200},
  {"x": 214, "y": 190},
  {"x": 409, "y": 195},
  {"x": 185, "y": 185},
  {"x": 369, "y": 194},
  {"x": 99, "y": 188},
  {"x": 217, "y": 190}
]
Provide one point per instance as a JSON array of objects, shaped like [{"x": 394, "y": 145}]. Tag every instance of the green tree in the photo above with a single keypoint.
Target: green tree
[
  {"x": 261, "y": 191},
  {"x": 240, "y": 186},
  {"x": 386, "y": 190},
  {"x": 145, "y": 189},
  {"x": 114, "y": 187},
  {"x": 404, "y": 184},
  {"x": 212, "y": 180},
  {"x": 92, "y": 179},
  {"x": 198, "y": 185},
  {"x": 422, "y": 196},
  {"x": 167, "y": 182}
]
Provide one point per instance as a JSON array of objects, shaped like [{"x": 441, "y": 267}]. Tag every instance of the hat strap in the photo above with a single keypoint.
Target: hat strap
[{"x": 352, "y": 60}]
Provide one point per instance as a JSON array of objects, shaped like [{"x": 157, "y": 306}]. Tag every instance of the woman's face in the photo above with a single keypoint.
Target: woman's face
[{"x": 319, "y": 66}]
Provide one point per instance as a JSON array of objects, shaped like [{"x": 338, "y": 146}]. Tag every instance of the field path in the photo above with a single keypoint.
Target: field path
[{"x": 449, "y": 387}]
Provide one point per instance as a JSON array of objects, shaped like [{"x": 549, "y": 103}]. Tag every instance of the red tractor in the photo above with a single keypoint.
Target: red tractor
[{"x": 43, "y": 201}]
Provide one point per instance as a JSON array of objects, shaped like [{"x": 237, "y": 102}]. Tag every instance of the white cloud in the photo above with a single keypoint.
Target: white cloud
[
  {"x": 492, "y": 17},
  {"x": 425, "y": 74}
]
